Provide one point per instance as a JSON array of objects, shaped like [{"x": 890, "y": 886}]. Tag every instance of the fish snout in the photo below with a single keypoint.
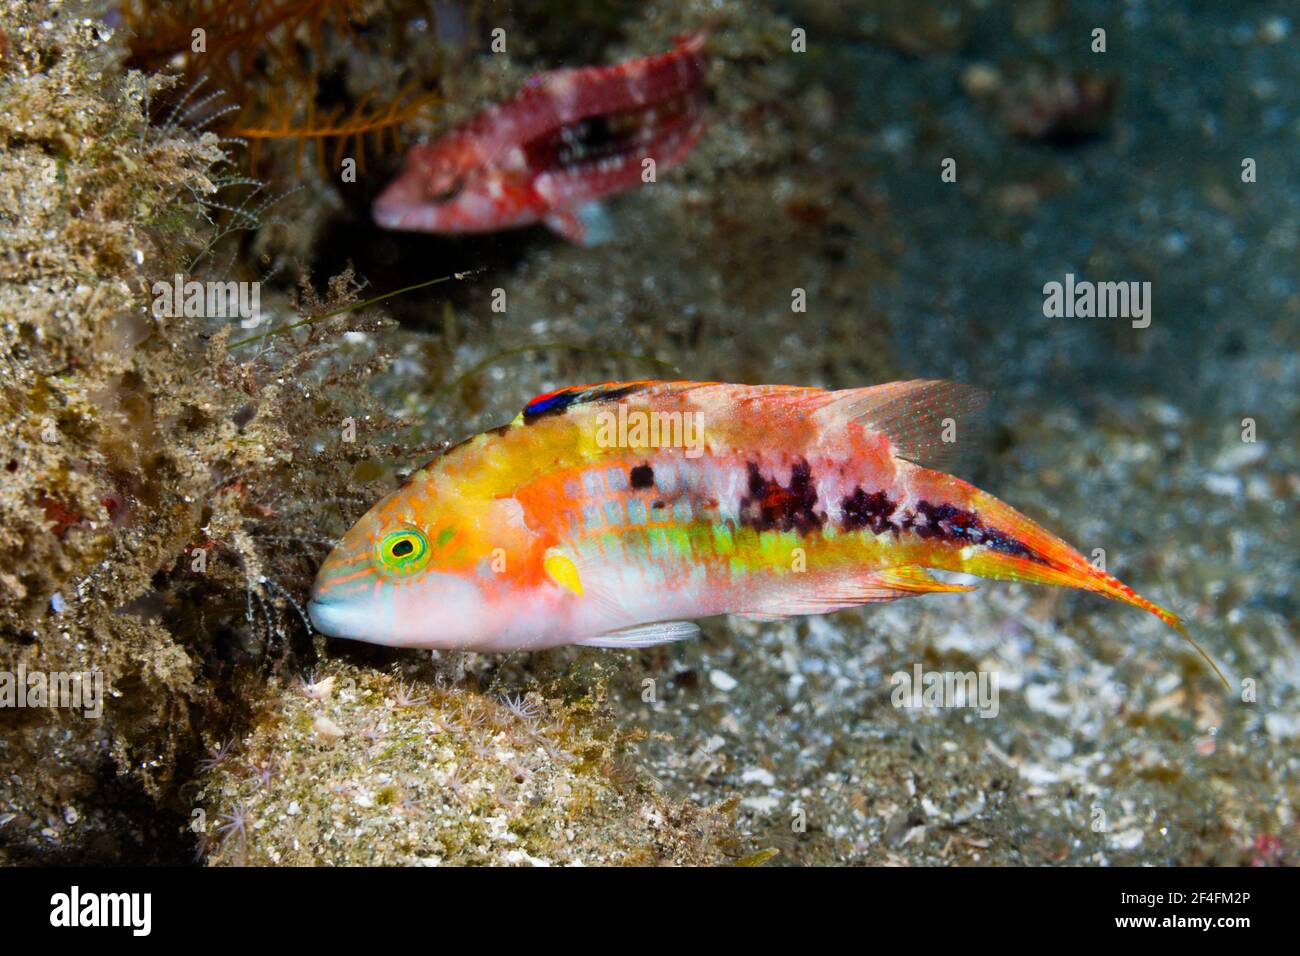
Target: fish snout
[
  {"x": 341, "y": 617},
  {"x": 398, "y": 200},
  {"x": 340, "y": 595},
  {"x": 324, "y": 616}
]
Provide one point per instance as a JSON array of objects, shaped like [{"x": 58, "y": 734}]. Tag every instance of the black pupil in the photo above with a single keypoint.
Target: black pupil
[
  {"x": 450, "y": 193},
  {"x": 403, "y": 548}
]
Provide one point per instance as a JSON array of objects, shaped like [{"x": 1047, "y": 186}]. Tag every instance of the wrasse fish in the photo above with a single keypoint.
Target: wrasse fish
[
  {"x": 609, "y": 515},
  {"x": 567, "y": 139}
]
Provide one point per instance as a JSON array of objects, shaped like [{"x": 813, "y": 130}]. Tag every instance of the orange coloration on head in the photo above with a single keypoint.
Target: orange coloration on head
[{"x": 426, "y": 566}]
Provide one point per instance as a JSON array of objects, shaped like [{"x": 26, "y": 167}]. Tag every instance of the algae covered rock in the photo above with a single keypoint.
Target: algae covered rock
[
  {"x": 93, "y": 203},
  {"x": 359, "y": 766},
  {"x": 141, "y": 455}
]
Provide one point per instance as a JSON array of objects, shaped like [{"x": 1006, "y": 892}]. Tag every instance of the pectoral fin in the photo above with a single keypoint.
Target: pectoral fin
[
  {"x": 566, "y": 223},
  {"x": 559, "y": 567},
  {"x": 566, "y": 569},
  {"x": 585, "y": 225}
]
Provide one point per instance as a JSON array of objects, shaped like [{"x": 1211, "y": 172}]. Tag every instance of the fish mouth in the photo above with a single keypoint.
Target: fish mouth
[
  {"x": 325, "y": 617},
  {"x": 406, "y": 204},
  {"x": 391, "y": 215},
  {"x": 341, "y": 618}
]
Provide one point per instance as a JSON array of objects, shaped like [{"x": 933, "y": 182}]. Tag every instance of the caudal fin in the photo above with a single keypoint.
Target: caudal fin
[{"x": 1028, "y": 552}]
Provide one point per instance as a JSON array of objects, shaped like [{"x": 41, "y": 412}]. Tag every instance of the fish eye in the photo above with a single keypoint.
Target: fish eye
[
  {"x": 403, "y": 552},
  {"x": 450, "y": 192}
]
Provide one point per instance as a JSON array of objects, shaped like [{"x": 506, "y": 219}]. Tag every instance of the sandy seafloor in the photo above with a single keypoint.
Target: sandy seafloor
[{"x": 1112, "y": 743}]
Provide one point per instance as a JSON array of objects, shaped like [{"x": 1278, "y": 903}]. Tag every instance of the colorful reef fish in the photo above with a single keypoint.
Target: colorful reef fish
[
  {"x": 610, "y": 515},
  {"x": 567, "y": 139}
]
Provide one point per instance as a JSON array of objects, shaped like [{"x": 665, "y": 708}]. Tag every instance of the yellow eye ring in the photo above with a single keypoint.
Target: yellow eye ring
[{"x": 403, "y": 552}]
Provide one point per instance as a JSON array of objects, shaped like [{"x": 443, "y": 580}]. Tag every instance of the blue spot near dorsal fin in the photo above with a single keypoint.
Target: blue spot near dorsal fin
[{"x": 564, "y": 398}]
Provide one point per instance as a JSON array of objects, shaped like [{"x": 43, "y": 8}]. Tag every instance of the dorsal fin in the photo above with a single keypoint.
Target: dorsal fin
[
  {"x": 929, "y": 422},
  {"x": 913, "y": 415},
  {"x": 797, "y": 398}
]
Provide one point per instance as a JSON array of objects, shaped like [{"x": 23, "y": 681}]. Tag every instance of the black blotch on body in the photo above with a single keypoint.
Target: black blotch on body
[
  {"x": 1008, "y": 545},
  {"x": 642, "y": 476},
  {"x": 771, "y": 506},
  {"x": 942, "y": 522},
  {"x": 622, "y": 133},
  {"x": 862, "y": 510}
]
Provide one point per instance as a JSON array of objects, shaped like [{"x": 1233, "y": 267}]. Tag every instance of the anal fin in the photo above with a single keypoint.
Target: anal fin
[
  {"x": 876, "y": 587},
  {"x": 916, "y": 580}
]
